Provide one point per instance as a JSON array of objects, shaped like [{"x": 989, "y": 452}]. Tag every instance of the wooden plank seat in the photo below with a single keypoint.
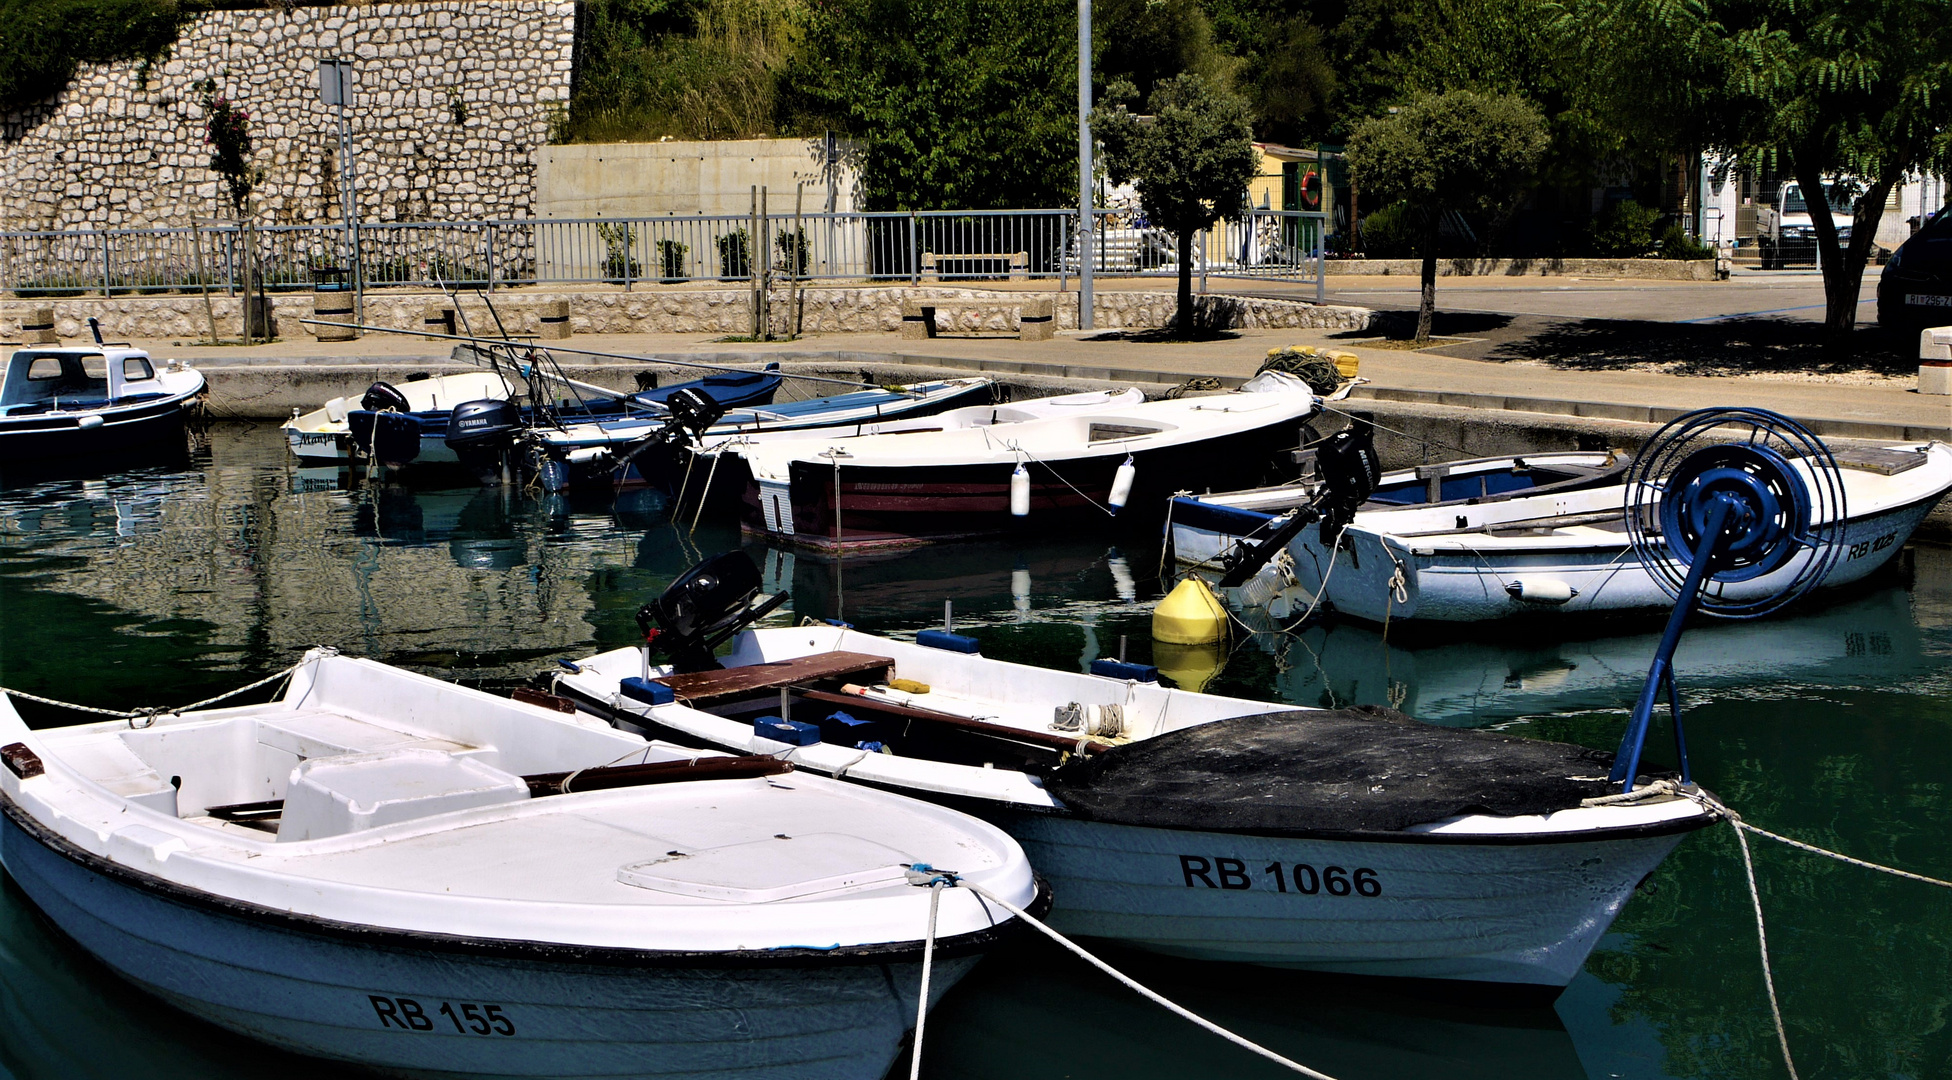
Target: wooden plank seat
[{"x": 701, "y": 687}]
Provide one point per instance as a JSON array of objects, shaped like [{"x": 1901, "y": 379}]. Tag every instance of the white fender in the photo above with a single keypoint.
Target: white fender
[{"x": 1020, "y": 492}]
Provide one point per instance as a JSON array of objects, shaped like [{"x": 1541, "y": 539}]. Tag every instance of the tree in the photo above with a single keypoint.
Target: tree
[
  {"x": 1462, "y": 150},
  {"x": 960, "y": 104},
  {"x": 1191, "y": 159},
  {"x": 227, "y": 131},
  {"x": 1853, "y": 89}
]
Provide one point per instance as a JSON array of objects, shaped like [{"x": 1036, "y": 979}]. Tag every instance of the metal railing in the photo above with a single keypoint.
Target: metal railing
[{"x": 922, "y": 247}]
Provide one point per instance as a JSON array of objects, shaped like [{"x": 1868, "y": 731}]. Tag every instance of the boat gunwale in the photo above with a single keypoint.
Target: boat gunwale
[{"x": 513, "y": 949}]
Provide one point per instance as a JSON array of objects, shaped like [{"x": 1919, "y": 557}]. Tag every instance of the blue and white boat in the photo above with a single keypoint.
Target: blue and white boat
[
  {"x": 594, "y": 447},
  {"x": 74, "y": 401},
  {"x": 417, "y": 434},
  {"x": 385, "y": 869}
]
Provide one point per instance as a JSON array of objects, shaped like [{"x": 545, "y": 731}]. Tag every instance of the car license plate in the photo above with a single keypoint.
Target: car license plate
[{"x": 1927, "y": 300}]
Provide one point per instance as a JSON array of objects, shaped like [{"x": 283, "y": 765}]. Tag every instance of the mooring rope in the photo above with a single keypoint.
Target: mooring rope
[
  {"x": 1755, "y": 894},
  {"x": 935, "y": 879},
  {"x": 151, "y": 712}
]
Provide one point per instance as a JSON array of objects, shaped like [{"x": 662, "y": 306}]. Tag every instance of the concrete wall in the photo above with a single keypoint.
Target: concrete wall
[
  {"x": 453, "y": 99},
  {"x": 1654, "y": 269},
  {"x": 612, "y": 180}
]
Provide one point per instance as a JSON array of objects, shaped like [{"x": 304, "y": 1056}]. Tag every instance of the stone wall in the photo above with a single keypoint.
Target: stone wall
[
  {"x": 453, "y": 100},
  {"x": 670, "y": 310}
]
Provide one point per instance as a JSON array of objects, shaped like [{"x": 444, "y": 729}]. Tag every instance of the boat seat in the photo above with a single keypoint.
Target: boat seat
[
  {"x": 698, "y": 687},
  {"x": 108, "y": 761},
  {"x": 308, "y": 734}
]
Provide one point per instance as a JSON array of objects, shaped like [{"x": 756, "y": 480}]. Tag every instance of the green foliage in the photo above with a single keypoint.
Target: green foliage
[
  {"x": 1462, "y": 150},
  {"x": 793, "y": 251},
  {"x": 671, "y": 260},
  {"x": 734, "y": 255},
  {"x": 1677, "y": 244},
  {"x": 43, "y": 41},
  {"x": 1391, "y": 233},
  {"x": 959, "y": 104},
  {"x": 1191, "y": 160},
  {"x": 688, "y": 69},
  {"x": 1625, "y": 230},
  {"x": 617, "y": 237},
  {"x": 1145, "y": 42},
  {"x": 227, "y": 131}
]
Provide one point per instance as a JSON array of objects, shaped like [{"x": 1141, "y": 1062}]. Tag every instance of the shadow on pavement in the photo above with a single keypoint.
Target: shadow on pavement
[{"x": 1727, "y": 347}]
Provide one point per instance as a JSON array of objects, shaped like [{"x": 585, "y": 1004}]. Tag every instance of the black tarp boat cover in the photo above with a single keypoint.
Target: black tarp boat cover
[{"x": 1309, "y": 771}]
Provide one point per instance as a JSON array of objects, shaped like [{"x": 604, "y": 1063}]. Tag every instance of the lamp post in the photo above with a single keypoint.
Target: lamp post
[
  {"x": 335, "y": 89},
  {"x": 1087, "y": 227}
]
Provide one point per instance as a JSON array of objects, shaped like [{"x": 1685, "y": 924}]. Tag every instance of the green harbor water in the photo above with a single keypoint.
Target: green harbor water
[{"x": 165, "y": 585}]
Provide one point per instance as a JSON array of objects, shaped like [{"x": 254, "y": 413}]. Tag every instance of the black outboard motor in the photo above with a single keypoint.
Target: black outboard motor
[
  {"x": 385, "y": 436},
  {"x": 481, "y": 433},
  {"x": 384, "y": 396},
  {"x": 1351, "y": 471},
  {"x": 692, "y": 413},
  {"x": 703, "y": 609}
]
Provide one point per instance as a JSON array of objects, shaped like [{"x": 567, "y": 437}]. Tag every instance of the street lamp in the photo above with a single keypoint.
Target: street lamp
[{"x": 335, "y": 88}]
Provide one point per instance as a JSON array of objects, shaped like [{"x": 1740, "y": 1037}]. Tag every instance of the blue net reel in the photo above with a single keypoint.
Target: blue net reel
[{"x": 1733, "y": 512}]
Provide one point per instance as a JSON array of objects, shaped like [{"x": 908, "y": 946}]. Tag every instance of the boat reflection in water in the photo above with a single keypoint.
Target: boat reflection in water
[{"x": 1868, "y": 637}]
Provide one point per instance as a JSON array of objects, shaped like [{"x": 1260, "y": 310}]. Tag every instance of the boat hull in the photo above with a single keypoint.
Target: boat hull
[
  {"x": 898, "y": 507},
  {"x": 1522, "y": 914},
  {"x": 420, "y": 1004},
  {"x": 1453, "y": 586},
  {"x": 42, "y": 436}
]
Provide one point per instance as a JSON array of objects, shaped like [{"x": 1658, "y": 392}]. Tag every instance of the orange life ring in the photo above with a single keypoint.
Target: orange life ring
[{"x": 1310, "y": 192}]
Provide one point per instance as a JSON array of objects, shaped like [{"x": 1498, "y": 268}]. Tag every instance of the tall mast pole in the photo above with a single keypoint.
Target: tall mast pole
[{"x": 1087, "y": 227}]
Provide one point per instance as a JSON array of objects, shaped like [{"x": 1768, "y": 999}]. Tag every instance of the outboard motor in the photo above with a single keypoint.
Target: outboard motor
[
  {"x": 703, "y": 609},
  {"x": 385, "y": 436},
  {"x": 481, "y": 433},
  {"x": 692, "y": 413},
  {"x": 1351, "y": 472},
  {"x": 384, "y": 397}
]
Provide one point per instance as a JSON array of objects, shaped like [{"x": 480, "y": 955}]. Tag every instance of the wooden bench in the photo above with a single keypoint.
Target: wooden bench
[
  {"x": 1019, "y": 263},
  {"x": 701, "y": 687},
  {"x": 1036, "y": 319}
]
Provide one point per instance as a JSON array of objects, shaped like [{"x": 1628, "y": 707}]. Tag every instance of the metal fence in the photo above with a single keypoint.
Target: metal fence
[{"x": 923, "y": 247}]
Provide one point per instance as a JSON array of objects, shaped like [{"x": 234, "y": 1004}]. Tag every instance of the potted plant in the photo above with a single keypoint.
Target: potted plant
[
  {"x": 734, "y": 256},
  {"x": 671, "y": 261}
]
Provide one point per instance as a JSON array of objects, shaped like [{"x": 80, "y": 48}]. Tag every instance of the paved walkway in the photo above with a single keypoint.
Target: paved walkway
[{"x": 1882, "y": 409}]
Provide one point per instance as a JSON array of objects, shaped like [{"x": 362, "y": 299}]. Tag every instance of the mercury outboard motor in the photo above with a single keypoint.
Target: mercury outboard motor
[
  {"x": 384, "y": 397},
  {"x": 703, "y": 608},
  {"x": 481, "y": 433},
  {"x": 1351, "y": 472}
]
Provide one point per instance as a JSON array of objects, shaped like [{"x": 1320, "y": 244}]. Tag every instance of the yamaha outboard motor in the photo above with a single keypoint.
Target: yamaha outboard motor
[
  {"x": 481, "y": 433},
  {"x": 1351, "y": 472},
  {"x": 384, "y": 396},
  {"x": 703, "y": 609}
]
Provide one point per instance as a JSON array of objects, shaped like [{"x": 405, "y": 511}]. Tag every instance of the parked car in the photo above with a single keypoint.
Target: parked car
[
  {"x": 1915, "y": 289},
  {"x": 1787, "y": 235}
]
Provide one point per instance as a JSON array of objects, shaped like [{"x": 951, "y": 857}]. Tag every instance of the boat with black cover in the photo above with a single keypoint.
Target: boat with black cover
[{"x": 1354, "y": 841}]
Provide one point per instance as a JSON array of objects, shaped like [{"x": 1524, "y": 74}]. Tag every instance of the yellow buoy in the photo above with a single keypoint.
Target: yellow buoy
[
  {"x": 1189, "y": 615},
  {"x": 1190, "y": 667}
]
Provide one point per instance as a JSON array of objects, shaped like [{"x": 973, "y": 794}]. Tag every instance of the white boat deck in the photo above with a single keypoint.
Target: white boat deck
[{"x": 408, "y": 800}]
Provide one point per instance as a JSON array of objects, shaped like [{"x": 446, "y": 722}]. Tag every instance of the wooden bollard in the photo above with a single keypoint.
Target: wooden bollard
[
  {"x": 553, "y": 319},
  {"x": 38, "y": 327}
]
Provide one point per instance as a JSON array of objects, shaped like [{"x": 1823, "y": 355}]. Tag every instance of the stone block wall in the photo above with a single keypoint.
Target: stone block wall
[
  {"x": 663, "y": 310},
  {"x": 454, "y": 98}
]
